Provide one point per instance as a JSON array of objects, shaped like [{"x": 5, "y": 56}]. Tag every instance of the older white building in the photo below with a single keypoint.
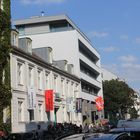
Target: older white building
[
  {"x": 69, "y": 43},
  {"x": 31, "y": 77}
]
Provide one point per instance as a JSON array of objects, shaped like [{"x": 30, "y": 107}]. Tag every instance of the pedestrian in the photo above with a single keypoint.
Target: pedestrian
[
  {"x": 86, "y": 128},
  {"x": 39, "y": 132}
]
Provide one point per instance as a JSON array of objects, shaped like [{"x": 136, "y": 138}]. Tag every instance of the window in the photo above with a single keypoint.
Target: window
[
  {"x": 39, "y": 79},
  {"x": 62, "y": 86},
  {"x": 31, "y": 79},
  {"x": 55, "y": 83},
  {"x": 47, "y": 81},
  {"x": 40, "y": 112},
  {"x": 29, "y": 46},
  {"x": 31, "y": 115},
  {"x": 20, "y": 111},
  {"x": 20, "y": 73},
  {"x": 67, "y": 88}
]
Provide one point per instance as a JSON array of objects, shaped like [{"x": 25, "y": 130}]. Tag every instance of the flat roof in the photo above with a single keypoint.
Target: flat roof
[{"x": 45, "y": 19}]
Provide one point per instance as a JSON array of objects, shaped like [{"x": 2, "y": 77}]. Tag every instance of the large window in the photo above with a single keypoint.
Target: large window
[
  {"x": 63, "y": 26},
  {"x": 40, "y": 79},
  {"x": 88, "y": 70},
  {"x": 55, "y": 86},
  {"x": 31, "y": 77},
  {"x": 62, "y": 86},
  {"x": 40, "y": 111},
  {"x": 20, "y": 110},
  {"x": 20, "y": 74},
  {"x": 47, "y": 80},
  {"x": 83, "y": 49},
  {"x": 88, "y": 88},
  {"x": 31, "y": 115}
]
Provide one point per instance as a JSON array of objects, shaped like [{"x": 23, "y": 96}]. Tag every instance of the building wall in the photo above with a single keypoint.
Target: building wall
[
  {"x": 107, "y": 75},
  {"x": 63, "y": 49},
  {"x": 65, "y": 45},
  {"x": 20, "y": 94}
]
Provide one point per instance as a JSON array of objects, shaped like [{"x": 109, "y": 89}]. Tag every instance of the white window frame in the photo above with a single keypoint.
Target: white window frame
[
  {"x": 40, "y": 111},
  {"x": 55, "y": 82},
  {"x": 39, "y": 78},
  {"x": 20, "y": 73},
  {"x": 47, "y": 80},
  {"x": 29, "y": 46},
  {"x": 20, "y": 110},
  {"x": 31, "y": 75},
  {"x": 63, "y": 86}
]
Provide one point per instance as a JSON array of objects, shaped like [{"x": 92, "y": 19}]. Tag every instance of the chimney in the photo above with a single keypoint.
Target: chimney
[
  {"x": 62, "y": 64},
  {"x": 45, "y": 53},
  {"x": 25, "y": 44},
  {"x": 14, "y": 37}
]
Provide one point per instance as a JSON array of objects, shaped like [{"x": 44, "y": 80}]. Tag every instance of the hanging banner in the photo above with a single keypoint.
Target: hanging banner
[
  {"x": 99, "y": 103},
  {"x": 79, "y": 105},
  {"x": 31, "y": 98},
  {"x": 49, "y": 100}
]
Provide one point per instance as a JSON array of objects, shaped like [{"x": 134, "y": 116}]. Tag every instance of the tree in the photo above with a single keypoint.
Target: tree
[
  {"x": 118, "y": 98},
  {"x": 5, "y": 32}
]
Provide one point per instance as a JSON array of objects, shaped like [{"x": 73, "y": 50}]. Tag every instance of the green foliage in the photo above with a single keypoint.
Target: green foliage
[
  {"x": 5, "y": 33},
  {"x": 133, "y": 113},
  {"x": 118, "y": 98}
]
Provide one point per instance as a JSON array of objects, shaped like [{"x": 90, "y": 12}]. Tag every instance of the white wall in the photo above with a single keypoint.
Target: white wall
[{"x": 64, "y": 45}]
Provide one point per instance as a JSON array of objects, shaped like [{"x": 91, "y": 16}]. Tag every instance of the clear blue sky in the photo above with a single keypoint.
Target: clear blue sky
[{"x": 113, "y": 27}]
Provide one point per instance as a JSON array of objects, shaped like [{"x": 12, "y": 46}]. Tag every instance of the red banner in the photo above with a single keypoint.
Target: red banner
[
  {"x": 99, "y": 103},
  {"x": 49, "y": 100}
]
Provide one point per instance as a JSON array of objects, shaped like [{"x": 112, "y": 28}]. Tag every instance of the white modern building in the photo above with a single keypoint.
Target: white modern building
[
  {"x": 68, "y": 42},
  {"x": 107, "y": 75},
  {"x": 32, "y": 76}
]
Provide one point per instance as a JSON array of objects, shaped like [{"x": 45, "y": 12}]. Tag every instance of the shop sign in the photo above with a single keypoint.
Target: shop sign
[{"x": 79, "y": 105}]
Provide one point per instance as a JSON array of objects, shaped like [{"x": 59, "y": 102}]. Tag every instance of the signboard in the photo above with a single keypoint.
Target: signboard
[
  {"x": 31, "y": 98},
  {"x": 49, "y": 100},
  {"x": 79, "y": 105},
  {"x": 70, "y": 104},
  {"x": 99, "y": 103}
]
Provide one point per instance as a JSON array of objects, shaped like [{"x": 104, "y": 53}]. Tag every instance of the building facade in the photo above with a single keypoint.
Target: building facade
[
  {"x": 33, "y": 78},
  {"x": 107, "y": 75},
  {"x": 69, "y": 43}
]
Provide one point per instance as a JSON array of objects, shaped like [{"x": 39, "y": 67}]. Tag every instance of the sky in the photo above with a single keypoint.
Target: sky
[{"x": 113, "y": 26}]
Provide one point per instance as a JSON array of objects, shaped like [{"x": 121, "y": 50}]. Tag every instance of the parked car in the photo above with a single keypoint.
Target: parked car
[
  {"x": 129, "y": 123},
  {"x": 101, "y": 136},
  {"x": 134, "y": 132}
]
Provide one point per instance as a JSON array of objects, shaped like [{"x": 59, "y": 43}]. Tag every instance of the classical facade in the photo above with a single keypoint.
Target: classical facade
[
  {"x": 42, "y": 92},
  {"x": 68, "y": 42}
]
